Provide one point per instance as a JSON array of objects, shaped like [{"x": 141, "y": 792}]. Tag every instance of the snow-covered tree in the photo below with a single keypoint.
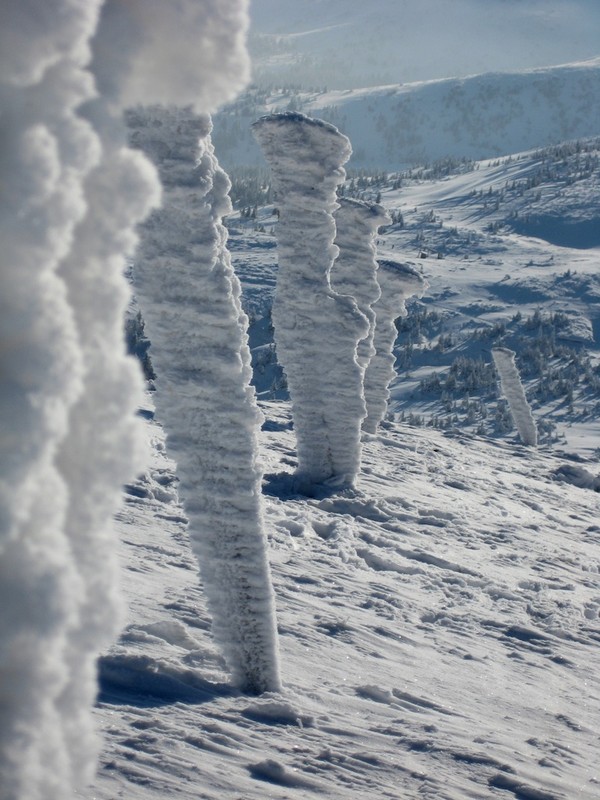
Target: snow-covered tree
[
  {"x": 316, "y": 329},
  {"x": 190, "y": 299},
  {"x": 354, "y": 271},
  {"x": 397, "y": 281},
  {"x": 512, "y": 388}
]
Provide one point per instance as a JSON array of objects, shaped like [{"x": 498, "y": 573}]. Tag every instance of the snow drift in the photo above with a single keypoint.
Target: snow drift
[
  {"x": 190, "y": 299},
  {"x": 397, "y": 281},
  {"x": 316, "y": 330}
]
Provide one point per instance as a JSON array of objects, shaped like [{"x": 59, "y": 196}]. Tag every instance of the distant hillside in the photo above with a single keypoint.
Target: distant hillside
[
  {"x": 345, "y": 44},
  {"x": 391, "y": 127}
]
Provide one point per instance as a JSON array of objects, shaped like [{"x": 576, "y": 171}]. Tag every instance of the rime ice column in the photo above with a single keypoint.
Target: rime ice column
[
  {"x": 47, "y": 151},
  {"x": 397, "y": 282},
  {"x": 354, "y": 271},
  {"x": 190, "y": 299},
  {"x": 512, "y": 388},
  {"x": 103, "y": 448},
  {"x": 316, "y": 330}
]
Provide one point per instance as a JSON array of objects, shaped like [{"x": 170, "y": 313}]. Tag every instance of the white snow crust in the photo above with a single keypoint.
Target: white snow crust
[
  {"x": 316, "y": 329},
  {"x": 190, "y": 299},
  {"x": 397, "y": 281},
  {"x": 47, "y": 152},
  {"x": 354, "y": 271},
  {"x": 512, "y": 388},
  {"x": 188, "y": 52},
  {"x": 72, "y": 195},
  {"x": 439, "y": 630}
]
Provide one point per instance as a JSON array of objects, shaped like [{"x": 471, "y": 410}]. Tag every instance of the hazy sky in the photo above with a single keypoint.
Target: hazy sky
[{"x": 406, "y": 40}]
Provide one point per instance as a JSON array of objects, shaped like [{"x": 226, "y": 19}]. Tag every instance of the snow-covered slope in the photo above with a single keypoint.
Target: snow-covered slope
[
  {"x": 481, "y": 116},
  {"x": 439, "y": 633},
  {"x": 348, "y": 43},
  {"x": 510, "y": 249}
]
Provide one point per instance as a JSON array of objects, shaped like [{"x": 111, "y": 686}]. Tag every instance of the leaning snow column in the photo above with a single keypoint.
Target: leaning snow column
[
  {"x": 397, "y": 281},
  {"x": 190, "y": 299},
  {"x": 512, "y": 388},
  {"x": 47, "y": 152},
  {"x": 316, "y": 329},
  {"x": 354, "y": 271}
]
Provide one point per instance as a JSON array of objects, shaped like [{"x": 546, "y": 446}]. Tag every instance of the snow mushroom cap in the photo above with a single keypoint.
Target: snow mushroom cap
[{"x": 291, "y": 138}]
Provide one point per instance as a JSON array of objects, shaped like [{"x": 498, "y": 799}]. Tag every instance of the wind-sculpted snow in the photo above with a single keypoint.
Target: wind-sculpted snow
[
  {"x": 354, "y": 271},
  {"x": 190, "y": 298},
  {"x": 71, "y": 199},
  {"x": 397, "y": 282},
  {"x": 439, "y": 627},
  {"x": 46, "y": 154},
  {"x": 192, "y": 52},
  {"x": 512, "y": 388},
  {"x": 316, "y": 330}
]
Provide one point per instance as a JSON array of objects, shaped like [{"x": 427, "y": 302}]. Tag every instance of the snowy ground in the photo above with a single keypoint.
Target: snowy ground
[{"x": 439, "y": 635}]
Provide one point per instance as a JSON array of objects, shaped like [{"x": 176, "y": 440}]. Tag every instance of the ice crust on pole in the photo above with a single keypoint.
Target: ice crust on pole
[
  {"x": 47, "y": 152},
  {"x": 397, "y": 281},
  {"x": 316, "y": 329},
  {"x": 512, "y": 388},
  {"x": 190, "y": 299},
  {"x": 354, "y": 271}
]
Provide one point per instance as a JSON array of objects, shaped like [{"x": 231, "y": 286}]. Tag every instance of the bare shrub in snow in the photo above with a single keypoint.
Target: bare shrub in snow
[
  {"x": 512, "y": 388},
  {"x": 190, "y": 298},
  {"x": 316, "y": 329},
  {"x": 397, "y": 281}
]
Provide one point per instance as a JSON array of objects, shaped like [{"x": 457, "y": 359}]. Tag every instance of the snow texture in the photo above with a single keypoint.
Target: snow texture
[
  {"x": 46, "y": 153},
  {"x": 354, "y": 271},
  {"x": 316, "y": 329},
  {"x": 182, "y": 52},
  {"x": 190, "y": 299},
  {"x": 72, "y": 195},
  {"x": 397, "y": 281},
  {"x": 512, "y": 388}
]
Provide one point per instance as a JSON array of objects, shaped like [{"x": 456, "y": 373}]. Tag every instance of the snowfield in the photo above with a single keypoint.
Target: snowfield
[{"x": 439, "y": 631}]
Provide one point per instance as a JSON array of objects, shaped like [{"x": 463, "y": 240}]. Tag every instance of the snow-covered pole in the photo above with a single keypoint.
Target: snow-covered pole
[
  {"x": 512, "y": 388},
  {"x": 190, "y": 299},
  {"x": 354, "y": 271},
  {"x": 397, "y": 281},
  {"x": 316, "y": 330},
  {"x": 47, "y": 152}
]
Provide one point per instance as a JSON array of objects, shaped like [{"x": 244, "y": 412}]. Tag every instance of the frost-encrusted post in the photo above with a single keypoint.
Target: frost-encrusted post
[
  {"x": 47, "y": 152},
  {"x": 397, "y": 281},
  {"x": 316, "y": 330},
  {"x": 512, "y": 388},
  {"x": 354, "y": 271},
  {"x": 190, "y": 299}
]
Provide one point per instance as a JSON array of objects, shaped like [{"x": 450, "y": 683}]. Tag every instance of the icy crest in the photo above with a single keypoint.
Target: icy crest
[
  {"x": 316, "y": 329},
  {"x": 190, "y": 298},
  {"x": 397, "y": 281}
]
